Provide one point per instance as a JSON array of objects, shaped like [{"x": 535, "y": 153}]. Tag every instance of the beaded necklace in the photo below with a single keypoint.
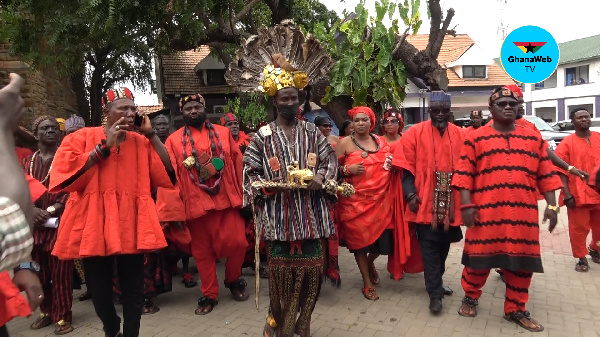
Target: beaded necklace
[
  {"x": 31, "y": 166},
  {"x": 365, "y": 153},
  {"x": 215, "y": 149}
]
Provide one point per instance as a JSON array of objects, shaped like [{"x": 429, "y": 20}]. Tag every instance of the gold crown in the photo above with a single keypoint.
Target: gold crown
[{"x": 276, "y": 78}]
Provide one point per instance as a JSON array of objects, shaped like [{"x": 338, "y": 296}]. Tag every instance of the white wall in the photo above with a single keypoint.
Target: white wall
[{"x": 573, "y": 91}]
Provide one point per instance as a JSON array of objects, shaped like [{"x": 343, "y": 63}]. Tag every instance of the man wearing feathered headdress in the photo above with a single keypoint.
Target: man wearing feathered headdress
[
  {"x": 294, "y": 223},
  {"x": 208, "y": 163}
]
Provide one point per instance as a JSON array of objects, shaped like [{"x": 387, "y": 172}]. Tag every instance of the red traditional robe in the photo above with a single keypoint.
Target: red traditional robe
[
  {"x": 426, "y": 151},
  {"x": 504, "y": 171},
  {"x": 242, "y": 141},
  {"x": 198, "y": 202},
  {"x": 170, "y": 209},
  {"x": 110, "y": 208},
  {"x": 366, "y": 214}
]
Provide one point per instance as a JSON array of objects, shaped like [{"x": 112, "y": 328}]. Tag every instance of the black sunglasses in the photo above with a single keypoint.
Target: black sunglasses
[
  {"x": 327, "y": 125},
  {"x": 505, "y": 103}
]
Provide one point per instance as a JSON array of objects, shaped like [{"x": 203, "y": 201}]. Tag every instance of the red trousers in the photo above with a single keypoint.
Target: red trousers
[
  {"x": 581, "y": 220},
  {"x": 56, "y": 277},
  {"x": 218, "y": 234},
  {"x": 517, "y": 287}
]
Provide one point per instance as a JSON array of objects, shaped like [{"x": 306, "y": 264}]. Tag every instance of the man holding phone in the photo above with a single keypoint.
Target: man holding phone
[
  {"x": 109, "y": 172},
  {"x": 208, "y": 163}
]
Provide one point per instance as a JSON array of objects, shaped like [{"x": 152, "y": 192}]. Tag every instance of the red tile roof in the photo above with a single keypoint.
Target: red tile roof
[
  {"x": 148, "y": 109},
  {"x": 178, "y": 71},
  {"x": 452, "y": 49}
]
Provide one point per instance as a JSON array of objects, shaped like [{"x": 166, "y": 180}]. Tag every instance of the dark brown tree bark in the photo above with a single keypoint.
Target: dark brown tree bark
[
  {"x": 95, "y": 89},
  {"x": 83, "y": 105}
]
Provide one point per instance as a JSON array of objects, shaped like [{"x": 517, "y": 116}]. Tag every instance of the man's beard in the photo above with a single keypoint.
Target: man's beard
[
  {"x": 195, "y": 122},
  {"x": 440, "y": 124}
]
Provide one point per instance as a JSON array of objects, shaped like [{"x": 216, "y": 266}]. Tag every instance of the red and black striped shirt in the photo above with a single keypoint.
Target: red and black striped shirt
[
  {"x": 504, "y": 171},
  {"x": 43, "y": 236}
]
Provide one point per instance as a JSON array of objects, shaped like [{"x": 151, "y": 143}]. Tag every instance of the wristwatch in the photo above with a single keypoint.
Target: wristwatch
[
  {"x": 554, "y": 208},
  {"x": 33, "y": 266},
  {"x": 51, "y": 210}
]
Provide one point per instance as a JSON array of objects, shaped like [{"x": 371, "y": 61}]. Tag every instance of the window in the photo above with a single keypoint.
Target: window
[
  {"x": 550, "y": 82},
  {"x": 577, "y": 75},
  {"x": 473, "y": 71},
  {"x": 215, "y": 77},
  {"x": 539, "y": 85}
]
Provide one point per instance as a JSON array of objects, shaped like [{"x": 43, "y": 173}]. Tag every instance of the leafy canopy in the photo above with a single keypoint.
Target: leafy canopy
[{"x": 364, "y": 67}]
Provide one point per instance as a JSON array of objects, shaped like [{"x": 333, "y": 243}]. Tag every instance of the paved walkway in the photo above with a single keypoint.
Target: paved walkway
[{"x": 563, "y": 300}]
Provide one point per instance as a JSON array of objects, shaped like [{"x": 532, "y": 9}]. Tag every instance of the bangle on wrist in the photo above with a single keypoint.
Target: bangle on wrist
[
  {"x": 553, "y": 208},
  {"x": 467, "y": 206},
  {"x": 570, "y": 168}
]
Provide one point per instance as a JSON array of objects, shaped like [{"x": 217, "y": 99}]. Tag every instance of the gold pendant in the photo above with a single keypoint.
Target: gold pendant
[
  {"x": 189, "y": 162},
  {"x": 364, "y": 154}
]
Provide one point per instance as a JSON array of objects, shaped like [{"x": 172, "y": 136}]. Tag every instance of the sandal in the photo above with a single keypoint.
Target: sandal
[
  {"x": 149, "y": 308},
  {"x": 471, "y": 304},
  {"x": 370, "y": 294},
  {"x": 270, "y": 326},
  {"x": 594, "y": 254},
  {"x": 42, "y": 321},
  {"x": 582, "y": 265},
  {"x": 205, "y": 305},
  {"x": 373, "y": 275},
  {"x": 188, "y": 281},
  {"x": 62, "y": 327},
  {"x": 516, "y": 317}
]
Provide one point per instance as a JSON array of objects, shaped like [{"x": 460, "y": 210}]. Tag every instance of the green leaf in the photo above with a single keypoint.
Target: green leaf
[
  {"x": 381, "y": 8},
  {"x": 368, "y": 48},
  {"x": 392, "y": 10},
  {"x": 360, "y": 97}
]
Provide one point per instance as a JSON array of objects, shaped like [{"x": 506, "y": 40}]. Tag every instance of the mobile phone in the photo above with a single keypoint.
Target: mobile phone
[{"x": 137, "y": 122}]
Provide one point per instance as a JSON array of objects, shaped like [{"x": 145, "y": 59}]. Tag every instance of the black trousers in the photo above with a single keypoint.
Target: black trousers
[
  {"x": 3, "y": 331},
  {"x": 99, "y": 275},
  {"x": 435, "y": 246}
]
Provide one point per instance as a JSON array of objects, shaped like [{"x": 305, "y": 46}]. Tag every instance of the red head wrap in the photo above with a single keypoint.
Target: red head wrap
[
  {"x": 363, "y": 110},
  {"x": 228, "y": 117},
  {"x": 515, "y": 89},
  {"x": 115, "y": 94}
]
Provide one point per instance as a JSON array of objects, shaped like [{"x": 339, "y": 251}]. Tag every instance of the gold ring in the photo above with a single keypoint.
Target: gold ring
[{"x": 117, "y": 127}]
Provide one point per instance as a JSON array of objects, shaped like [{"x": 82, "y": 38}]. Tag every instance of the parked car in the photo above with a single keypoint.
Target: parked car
[
  {"x": 552, "y": 136},
  {"x": 462, "y": 122},
  {"x": 567, "y": 126}
]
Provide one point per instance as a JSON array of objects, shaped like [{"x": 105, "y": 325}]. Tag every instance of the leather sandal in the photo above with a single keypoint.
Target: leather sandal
[
  {"x": 42, "y": 321},
  {"x": 149, "y": 307},
  {"x": 370, "y": 294},
  {"x": 62, "y": 327},
  {"x": 582, "y": 265},
  {"x": 238, "y": 289},
  {"x": 594, "y": 254},
  {"x": 469, "y": 303},
  {"x": 205, "y": 305},
  {"x": 188, "y": 281},
  {"x": 516, "y": 317}
]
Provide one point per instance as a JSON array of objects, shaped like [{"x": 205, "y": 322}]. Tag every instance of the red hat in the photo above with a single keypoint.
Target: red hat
[
  {"x": 115, "y": 94},
  {"x": 228, "y": 117},
  {"x": 516, "y": 89}
]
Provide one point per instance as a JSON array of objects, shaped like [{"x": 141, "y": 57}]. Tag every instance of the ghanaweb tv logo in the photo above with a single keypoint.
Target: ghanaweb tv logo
[{"x": 537, "y": 63}]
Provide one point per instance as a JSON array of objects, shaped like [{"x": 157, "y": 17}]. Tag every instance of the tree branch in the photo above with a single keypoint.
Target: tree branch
[
  {"x": 435, "y": 49},
  {"x": 220, "y": 48},
  {"x": 244, "y": 11},
  {"x": 402, "y": 39}
]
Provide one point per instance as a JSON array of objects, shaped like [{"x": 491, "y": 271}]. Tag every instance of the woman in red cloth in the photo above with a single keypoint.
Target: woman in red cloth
[
  {"x": 392, "y": 125},
  {"x": 366, "y": 224}
]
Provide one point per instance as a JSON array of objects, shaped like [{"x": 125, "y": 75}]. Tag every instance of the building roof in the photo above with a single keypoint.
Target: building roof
[
  {"x": 452, "y": 49},
  {"x": 148, "y": 109},
  {"x": 579, "y": 50},
  {"x": 178, "y": 72}
]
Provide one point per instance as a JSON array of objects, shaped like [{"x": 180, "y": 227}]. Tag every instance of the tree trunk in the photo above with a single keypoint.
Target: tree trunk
[
  {"x": 83, "y": 105},
  {"x": 95, "y": 92},
  {"x": 338, "y": 109},
  {"x": 280, "y": 10}
]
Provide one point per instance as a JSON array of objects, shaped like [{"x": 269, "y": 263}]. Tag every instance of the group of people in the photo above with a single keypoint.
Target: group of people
[{"x": 125, "y": 201}]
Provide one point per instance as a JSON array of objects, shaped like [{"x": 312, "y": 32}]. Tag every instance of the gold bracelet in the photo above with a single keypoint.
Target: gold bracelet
[
  {"x": 553, "y": 208},
  {"x": 570, "y": 168}
]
